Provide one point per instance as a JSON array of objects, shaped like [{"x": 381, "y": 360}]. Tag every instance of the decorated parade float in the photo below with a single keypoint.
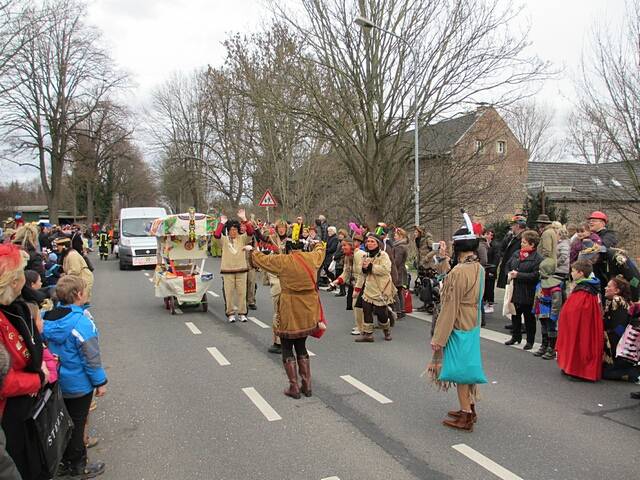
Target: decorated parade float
[{"x": 180, "y": 278}]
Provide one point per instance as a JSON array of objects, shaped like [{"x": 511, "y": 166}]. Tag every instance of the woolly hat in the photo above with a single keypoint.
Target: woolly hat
[
  {"x": 376, "y": 238},
  {"x": 519, "y": 220},
  {"x": 547, "y": 269}
]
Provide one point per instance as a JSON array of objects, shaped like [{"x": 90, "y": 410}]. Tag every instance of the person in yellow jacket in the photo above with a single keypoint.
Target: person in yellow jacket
[{"x": 74, "y": 264}]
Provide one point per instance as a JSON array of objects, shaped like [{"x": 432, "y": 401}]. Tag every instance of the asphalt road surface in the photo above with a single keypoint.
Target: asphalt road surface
[{"x": 193, "y": 397}]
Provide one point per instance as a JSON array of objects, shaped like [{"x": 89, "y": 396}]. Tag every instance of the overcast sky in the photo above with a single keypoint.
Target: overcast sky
[{"x": 152, "y": 38}]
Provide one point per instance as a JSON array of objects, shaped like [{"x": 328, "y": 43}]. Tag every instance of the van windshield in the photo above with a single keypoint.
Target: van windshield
[{"x": 135, "y": 227}]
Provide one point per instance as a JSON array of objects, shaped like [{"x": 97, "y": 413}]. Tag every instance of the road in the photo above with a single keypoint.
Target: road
[{"x": 176, "y": 408}]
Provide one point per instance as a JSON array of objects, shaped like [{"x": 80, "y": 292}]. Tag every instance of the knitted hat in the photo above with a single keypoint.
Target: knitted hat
[
  {"x": 547, "y": 269},
  {"x": 376, "y": 238},
  {"x": 519, "y": 220}
]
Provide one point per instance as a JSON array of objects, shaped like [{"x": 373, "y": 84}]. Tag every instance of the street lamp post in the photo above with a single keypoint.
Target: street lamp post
[{"x": 366, "y": 23}]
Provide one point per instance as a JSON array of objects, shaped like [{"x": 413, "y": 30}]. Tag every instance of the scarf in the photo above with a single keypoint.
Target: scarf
[
  {"x": 19, "y": 315},
  {"x": 373, "y": 253},
  {"x": 525, "y": 252}
]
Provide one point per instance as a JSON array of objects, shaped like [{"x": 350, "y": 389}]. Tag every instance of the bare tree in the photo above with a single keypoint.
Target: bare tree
[
  {"x": 587, "y": 141},
  {"x": 56, "y": 80},
  {"x": 360, "y": 82},
  {"x": 532, "y": 123},
  {"x": 264, "y": 68},
  {"x": 609, "y": 99},
  {"x": 610, "y": 89},
  {"x": 177, "y": 122},
  {"x": 98, "y": 143}
]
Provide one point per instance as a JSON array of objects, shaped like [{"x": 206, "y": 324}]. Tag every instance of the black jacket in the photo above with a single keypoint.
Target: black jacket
[
  {"x": 510, "y": 245},
  {"x": 524, "y": 285},
  {"x": 332, "y": 247}
]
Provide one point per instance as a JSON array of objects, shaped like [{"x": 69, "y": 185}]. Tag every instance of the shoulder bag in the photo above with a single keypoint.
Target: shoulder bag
[
  {"x": 322, "y": 324},
  {"x": 462, "y": 360},
  {"x": 52, "y": 427}
]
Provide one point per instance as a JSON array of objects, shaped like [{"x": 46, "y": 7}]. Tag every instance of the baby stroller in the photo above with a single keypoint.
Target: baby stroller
[{"x": 427, "y": 288}]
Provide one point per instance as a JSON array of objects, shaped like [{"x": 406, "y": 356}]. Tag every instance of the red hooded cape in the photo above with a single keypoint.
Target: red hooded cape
[{"x": 580, "y": 336}]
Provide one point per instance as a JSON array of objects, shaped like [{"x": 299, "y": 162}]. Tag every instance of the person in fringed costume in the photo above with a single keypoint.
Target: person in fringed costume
[
  {"x": 299, "y": 309},
  {"x": 460, "y": 307}
]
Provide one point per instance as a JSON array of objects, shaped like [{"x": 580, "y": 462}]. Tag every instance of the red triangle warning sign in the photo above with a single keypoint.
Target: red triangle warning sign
[{"x": 268, "y": 200}]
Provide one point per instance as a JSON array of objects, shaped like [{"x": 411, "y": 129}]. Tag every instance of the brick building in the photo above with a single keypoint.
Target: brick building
[
  {"x": 472, "y": 161},
  {"x": 583, "y": 188}
]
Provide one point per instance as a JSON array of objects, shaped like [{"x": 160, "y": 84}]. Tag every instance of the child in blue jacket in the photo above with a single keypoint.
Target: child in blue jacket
[{"x": 73, "y": 337}]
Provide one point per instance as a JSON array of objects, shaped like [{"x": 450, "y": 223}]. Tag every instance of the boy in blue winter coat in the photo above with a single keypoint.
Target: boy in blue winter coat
[{"x": 73, "y": 337}]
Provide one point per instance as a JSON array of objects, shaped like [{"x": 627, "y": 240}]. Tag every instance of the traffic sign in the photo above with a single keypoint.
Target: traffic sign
[{"x": 268, "y": 200}]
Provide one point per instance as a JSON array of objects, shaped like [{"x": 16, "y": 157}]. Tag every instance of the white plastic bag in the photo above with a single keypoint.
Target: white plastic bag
[
  {"x": 508, "y": 308},
  {"x": 332, "y": 267}
]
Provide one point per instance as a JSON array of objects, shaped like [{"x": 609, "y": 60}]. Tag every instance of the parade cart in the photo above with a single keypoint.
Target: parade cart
[{"x": 180, "y": 279}]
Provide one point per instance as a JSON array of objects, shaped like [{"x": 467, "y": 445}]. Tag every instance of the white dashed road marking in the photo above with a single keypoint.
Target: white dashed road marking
[
  {"x": 213, "y": 294},
  {"x": 220, "y": 358},
  {"x": 257, "y": 399},
  {"x": 146, "y": 274},
  {"x": 485, "y": 462},
  {"x": 366, "y": 389},
  {"x": 195, "y": 330},
  {"x": 331, "y": 478},
  {"x": 150, "y": 279},
  {"x": 258, "y": 322},
  {"x": 311, "y": 354}
]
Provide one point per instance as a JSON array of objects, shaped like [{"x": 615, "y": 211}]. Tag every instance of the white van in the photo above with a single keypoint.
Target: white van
[{"x": 135, "y": 246}]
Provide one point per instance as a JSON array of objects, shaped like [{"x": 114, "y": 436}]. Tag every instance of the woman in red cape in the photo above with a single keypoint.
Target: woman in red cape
[{"x": 581, "y": 328}]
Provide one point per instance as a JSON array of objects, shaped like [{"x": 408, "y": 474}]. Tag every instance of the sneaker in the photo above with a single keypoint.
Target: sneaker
[
  {"x": 252, "y": 306},
  {"x": 232, "y": 318},
  {"x": 91, "y": 470},
  {"x": 488, "y": 309},
  {"x": 243, "y": 318},
  {"x": 355, "y": 331}
]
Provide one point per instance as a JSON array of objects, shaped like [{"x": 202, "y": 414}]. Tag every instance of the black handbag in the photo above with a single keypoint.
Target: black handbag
[{"x": 52, "y": 425}]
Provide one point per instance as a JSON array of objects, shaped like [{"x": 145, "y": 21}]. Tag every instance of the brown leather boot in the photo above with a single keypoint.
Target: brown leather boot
[
  {"x": 463, "y": 422},
  {"x": 457, "y": 413},
  {"x": 365, "y": 338},
  {"x": 387, "y": 334},
  {"x": 304, "y": 369},
  {"x": 290, "y": 367}
]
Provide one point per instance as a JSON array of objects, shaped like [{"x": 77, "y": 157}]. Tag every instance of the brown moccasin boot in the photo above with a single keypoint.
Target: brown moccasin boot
[
  {"x": 365, "y": 338},
  {"x": 463, "y": 422},
  {"x": 457, "y": 413},
  {"x": 290, "y": 367},
  {"x": 304, "y": 368}
]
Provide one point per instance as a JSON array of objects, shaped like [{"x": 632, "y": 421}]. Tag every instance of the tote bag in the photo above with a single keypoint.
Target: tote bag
[
  {"x": 508, "y": 308},
  {"x": 462, "y": 361},
  {"x": 52, "y": 425}
]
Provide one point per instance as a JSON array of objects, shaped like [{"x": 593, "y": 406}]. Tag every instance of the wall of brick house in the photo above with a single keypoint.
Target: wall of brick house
[
  {"x": 498, "y": 178},
  {"x": 628, "y": 233}
]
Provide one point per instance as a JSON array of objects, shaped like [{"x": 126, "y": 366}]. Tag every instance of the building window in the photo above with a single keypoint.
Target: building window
[
  {"x": 615, "y": 182},
  {"x": 501, "y": 147},
  {"x": 479, "y": 146},
  {"x": 597, "y": 181}
]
